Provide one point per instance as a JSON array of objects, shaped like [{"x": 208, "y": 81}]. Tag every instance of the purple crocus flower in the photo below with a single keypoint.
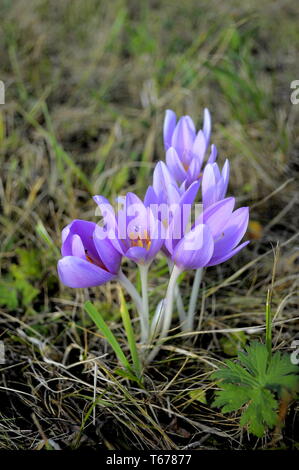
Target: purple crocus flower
[
  {"x": 169, "y": 201},
  {"x": 164, "y": 186},
  {"x": 186, "y": 149},
  {"x": 214, "y": 183},
  {"x": 213, "y": 239},
  {"x": 227, "y": 227},
  {"x": 88, "y": 260},
  {"x": 134, "y": 231}
]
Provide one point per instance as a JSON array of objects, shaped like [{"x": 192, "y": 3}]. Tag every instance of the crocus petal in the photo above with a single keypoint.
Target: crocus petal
[
  {"x": 168, "y": 127},
  {"x": 76, "y": 272},
  {"x": 85, "y": 231},
  {"x": 180, "y": 217},
  {"x": 110, "y": 257},
  {"x": 199, "y": 147},
  {"x": 218, "y": 215},
  {"x": 195, "y": 249},
  {"x": 137, "y": 254},
  {"x": 213, "y": 154},
  {"x": 110, "y": 229},
  {"x": 137, "y": 216},
  {"x": 175, "y": 165},
  {"x": 225, "y": 179},
  {"x": 65, "y": 233},
  {"x": 150, "y": 197},
  {"x": 207, "y": 125},
  {"x": 183, "y": 135},
  {"x": 162, "y": 179},
  {"x": 191, "y": 124},
  {"x": 193, "y": 172},
  {"x": 77, "y": 247},
  {"x": 220, "y": 259},
  {"x": 107, "y": 211},
  {"x": 156, "y": 245},
  {"x": 233, "y": 232},
  {"x": 208, "y": 186}
]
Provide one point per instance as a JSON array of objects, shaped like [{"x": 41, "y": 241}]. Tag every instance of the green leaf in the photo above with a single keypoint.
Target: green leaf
[
  {"x": 255, "y": 360},
  {"x": 231, "y": 398},
  {"x": 130, "y": 333},
  {"x": 199, "y": 395},
  {"x": 27, "y": 290},
  {"x": 8, "y": 295},
  {"x": 107, "y": 333},
  {"x": 255, "y": 383},
  {"x": 29, "y": 265},
  {"x": 282, "y": 373},
  {"x": 260, "y": 413},
  {"x": 126, "y": 374}
]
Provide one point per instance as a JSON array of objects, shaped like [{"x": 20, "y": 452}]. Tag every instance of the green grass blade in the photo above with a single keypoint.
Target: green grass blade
[
  {"x": 130, "y": 333},
  {"x": 269, "y": 324},
  {"x": 105, "y": 330},
  {"x": 44, "y": 235}
]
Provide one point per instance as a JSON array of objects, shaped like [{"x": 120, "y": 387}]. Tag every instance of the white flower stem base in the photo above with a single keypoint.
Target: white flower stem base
[{"x": 176, "y": 271}]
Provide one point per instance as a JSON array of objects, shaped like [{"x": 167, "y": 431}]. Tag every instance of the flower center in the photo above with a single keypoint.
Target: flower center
[
  {"x": 96, "y": 263},
  {"x": 139, "y": 240}
]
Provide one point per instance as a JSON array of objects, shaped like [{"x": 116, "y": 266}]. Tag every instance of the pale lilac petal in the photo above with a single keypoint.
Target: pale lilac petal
[
  {"x": 193, "y": 172},
  {"x": 190, "y": 123},
  {"x": 220, "y": 259},
  {"x": 195, "y": 249},
  {"x": 208, "y": 186},
  {"x": 181, "y": 216},
  {"x": 233, "y": 232},
  {"x": 183, "y": 135},
  {"x": 76, "y": 272},
  {"x": 136, "y": 212},
  {"x": 225, "y": 178},
  {"x": 168, "y": 127},
  {"x": 175, "y": 165},
  {"x": 218, "y": 215},
  {"x": 199, "y": 147},
  {"x": 85, "y": 231},
  {"x": 161, "y": 180},
  {"x": 207, "y": 125},
  {"x": 213, "y": 154},
  {"x": 77, "y": 247},
  {"x": 107, "y": 211},
  {"x": 110, "y": 228},
  {"x": 65, "y": 232},
  {"x": 156, "y": 245},
  {"x": 137, "y": 253},
  {"x": 110, "y": 257},
  {"x": 150, "y": 197}
]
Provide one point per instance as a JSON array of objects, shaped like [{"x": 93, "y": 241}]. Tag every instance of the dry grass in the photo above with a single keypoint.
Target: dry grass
[{"x": 87, "y": 84}]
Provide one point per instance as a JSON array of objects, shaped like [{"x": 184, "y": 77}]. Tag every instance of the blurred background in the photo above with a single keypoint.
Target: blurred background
[{"x": 87, "y": 85}]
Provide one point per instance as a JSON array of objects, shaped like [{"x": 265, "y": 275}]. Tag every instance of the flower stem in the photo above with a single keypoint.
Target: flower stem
[
  {"x": 178, "y": 299},
  {"x": 193, "y": 300},
  {"x": 168, "y": 310},
  {"x": 143, "y": 269},
  {"x": 127, "y": 284}
]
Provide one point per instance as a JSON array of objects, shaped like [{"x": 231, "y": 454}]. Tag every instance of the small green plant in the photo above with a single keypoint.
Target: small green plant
[
  {"x": 256, "y": 383},
  {"x": 260, "y": 383}
]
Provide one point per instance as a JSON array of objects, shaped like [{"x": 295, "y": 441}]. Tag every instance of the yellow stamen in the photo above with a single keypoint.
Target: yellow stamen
[{"x": 143, "y": 242}]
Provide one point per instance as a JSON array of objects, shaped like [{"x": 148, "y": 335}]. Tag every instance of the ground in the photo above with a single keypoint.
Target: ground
[{"x": 87, "y": 86}]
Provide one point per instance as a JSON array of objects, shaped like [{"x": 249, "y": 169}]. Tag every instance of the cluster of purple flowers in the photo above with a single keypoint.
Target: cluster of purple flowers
[{"x": 138, "y": 230}]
